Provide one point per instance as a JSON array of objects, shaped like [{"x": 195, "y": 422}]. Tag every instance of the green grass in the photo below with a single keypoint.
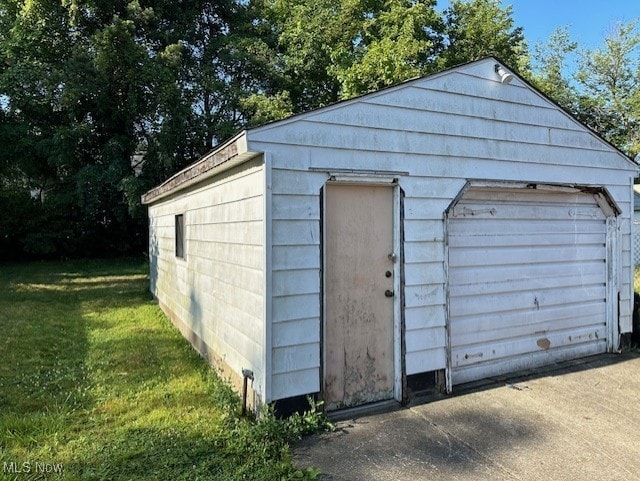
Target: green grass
[{"x": 94, "y": 378}]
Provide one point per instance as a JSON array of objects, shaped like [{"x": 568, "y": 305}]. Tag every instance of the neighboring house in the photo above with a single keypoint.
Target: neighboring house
[{"x": 444, "y": 230}]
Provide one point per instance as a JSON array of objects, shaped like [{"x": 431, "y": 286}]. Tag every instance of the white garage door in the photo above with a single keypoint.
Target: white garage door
[{"x": 527, "y": 280}]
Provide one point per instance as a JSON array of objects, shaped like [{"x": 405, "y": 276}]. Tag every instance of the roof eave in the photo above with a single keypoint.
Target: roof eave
[{"x": 223, "y": 157}]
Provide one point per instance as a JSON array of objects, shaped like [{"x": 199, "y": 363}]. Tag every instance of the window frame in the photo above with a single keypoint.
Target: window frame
[{"x": 179, "y": 236}]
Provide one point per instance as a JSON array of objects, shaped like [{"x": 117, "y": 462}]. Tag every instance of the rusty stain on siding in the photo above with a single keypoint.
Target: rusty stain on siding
[{"x": 544, "y": 343}]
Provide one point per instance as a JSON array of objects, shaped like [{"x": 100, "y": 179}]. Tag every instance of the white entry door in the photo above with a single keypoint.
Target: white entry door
[{"x": 359, "y": 299}]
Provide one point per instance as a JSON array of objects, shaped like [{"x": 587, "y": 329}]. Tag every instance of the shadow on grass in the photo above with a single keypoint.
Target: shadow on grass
[
  {"x": 152, "y": 454},
  {"x": 95, "y": 377},
  {"x": 44, "y": 343},
  {"x": 45, "y": 384}
]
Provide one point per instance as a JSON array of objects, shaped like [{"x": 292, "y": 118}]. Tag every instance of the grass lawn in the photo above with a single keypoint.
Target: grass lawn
[{"x": 95, "y": 382}]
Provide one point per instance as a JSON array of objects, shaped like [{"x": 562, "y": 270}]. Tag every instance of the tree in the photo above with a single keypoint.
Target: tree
[
  {"x": 34, "y": 50},
  {"x": 552, "y": 66},
  {"x": 35, "y": 45},
  {"x": 102, "y": 99},
  {"x": 601, "y": 87},
  {"x": 329, "y": 50},
  {"x": 75, "y": 96},
  {"x": 478, "y": 28},
  {"x": 88, "y": 88},
  {"x": 302, "y": 35},
  {"x": 609, "y": 88},
  {"x": 398, "y": 42}
]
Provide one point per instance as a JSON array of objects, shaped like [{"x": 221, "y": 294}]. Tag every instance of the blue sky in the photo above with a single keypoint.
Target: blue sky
[{"x": 589, "y": 21}]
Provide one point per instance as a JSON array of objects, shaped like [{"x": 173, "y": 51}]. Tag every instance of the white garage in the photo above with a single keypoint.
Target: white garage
[
  {"x": 443, "y": 230},
  {"x": 528, "y": 279}
]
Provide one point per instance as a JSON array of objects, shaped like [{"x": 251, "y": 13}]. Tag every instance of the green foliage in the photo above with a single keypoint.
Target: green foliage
[
  {"x": 396, "y": 43},
  {"x": 601, "y": 87},
  {"x": 552, "y": 60},
  {"x": 609, "y": 79},
  {"x": 478, "y": 28},
  {"x": 261, "y": 442},
  {"x": 310, "y": 421},
  {"x": 263, "y": 108},
  {"x": 13, "y": 228},
  {"x": 101, "y": 100},
  {"x": 96, "y": 378},
  {"x": 303, "y": 34}
]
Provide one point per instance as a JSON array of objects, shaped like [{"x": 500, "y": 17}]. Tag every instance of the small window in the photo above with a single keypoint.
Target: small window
[{"x": 180, "y": 236}]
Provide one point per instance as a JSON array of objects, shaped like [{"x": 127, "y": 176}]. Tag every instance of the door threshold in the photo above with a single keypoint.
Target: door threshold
[{"x": 378, "y": 407}]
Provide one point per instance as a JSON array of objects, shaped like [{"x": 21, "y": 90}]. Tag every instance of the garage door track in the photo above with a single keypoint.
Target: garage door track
[{"x": 577, "y": 420}]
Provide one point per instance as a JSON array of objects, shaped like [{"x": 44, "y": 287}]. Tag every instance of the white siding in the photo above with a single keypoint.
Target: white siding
[
  {"x": 296, "y": 282},
  {"x": 443, "y": 130},
  {"x": 218, "y": 288}
]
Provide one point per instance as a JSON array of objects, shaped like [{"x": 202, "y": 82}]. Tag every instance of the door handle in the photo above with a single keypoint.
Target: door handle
[{"x": 388, "y": 293}]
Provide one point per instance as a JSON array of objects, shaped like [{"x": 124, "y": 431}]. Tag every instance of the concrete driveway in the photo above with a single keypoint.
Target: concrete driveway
[{"x": 576, "y": 421}]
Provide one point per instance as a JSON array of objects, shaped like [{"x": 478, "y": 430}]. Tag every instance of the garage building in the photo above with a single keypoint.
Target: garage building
[{"x": 444, "y": 230}]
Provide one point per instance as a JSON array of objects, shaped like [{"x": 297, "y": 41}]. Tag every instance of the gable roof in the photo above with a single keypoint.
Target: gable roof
[{"x": 235, "y": 150}]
